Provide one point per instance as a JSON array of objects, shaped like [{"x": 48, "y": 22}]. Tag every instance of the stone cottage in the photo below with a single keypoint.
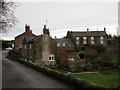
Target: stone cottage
[
  {"x": 40, "y": 49},
  {"x": 46, "y": 51},
  {"x": 19, "y": 38}
]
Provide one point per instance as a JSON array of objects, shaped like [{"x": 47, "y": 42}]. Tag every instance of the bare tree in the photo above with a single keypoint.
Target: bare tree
[{"x": 7, "y": 18}]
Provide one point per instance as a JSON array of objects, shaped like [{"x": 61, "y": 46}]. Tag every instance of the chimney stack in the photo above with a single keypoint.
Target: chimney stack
[
  {"x": 27, "y": 28},
  {"x": 104, "y": 29},
  {"x": 87, "y": 30},
  {"x": 45, "y": 30}
]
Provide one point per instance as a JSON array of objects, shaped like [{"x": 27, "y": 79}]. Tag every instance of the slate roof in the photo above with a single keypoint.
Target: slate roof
[
  {"x": 63, "y": 40},
  {"x": 110, "y": 39},
  {"x": 29, "y": 38},
  {"x": 89, "y": 33}
]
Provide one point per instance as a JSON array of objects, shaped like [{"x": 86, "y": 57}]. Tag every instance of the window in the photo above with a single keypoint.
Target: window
[
  {"x": 13, "y": 45},
  {"x": 25, "y": 46},
  {"x": 92, "y": 42},
  {"x": 30, "y": 46},
  {"x": 92, "y": 38},
  {"x": 84, "y": 42},
  {"x": 63, "y": 44},
  {"x": 77, "y": 42},
  {"x": 101, "y": 42},
  {"x": 84, "y": 38},
  {"x": 58, "y": 44},
  {"x": 101, "y": 38},
  {"x": 51, "y": 57},
  {"x": 77, "y": 38}
]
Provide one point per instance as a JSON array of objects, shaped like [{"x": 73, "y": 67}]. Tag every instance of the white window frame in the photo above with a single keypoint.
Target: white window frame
[
  {"x": 25, "y": 46},
  {"x": 101, "y": 42},
  {"x": 58, "y": 44},
  {"x": 52, "y": 57},
  {"x": 101, "y": 38},
  {"x": 92, "y": 38},
  {"x": 84, "y": 38},
  {"x": 84, "y": 42},
  {"x": 92, "y": 42},
  {"x": 63, "y": 44},
  {"x": 77, "y": 42},
  {"x": 77, "y": 38},
  {"x": 13, "y": 45},
  {"x": 30, "y": 46}
]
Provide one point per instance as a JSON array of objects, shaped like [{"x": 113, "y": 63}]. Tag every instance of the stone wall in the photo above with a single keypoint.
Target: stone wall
[{"x": 18, "y": 42}]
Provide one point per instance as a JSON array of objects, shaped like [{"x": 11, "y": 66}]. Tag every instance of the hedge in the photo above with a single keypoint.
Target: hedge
[{"x": 74, "y": 82}]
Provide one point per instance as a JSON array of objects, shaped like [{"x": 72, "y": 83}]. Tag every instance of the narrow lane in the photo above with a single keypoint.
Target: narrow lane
[{"x": 16, "y": 75}]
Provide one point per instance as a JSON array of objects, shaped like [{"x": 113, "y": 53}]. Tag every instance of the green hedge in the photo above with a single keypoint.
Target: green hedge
[{"x": 74, "y": 82}]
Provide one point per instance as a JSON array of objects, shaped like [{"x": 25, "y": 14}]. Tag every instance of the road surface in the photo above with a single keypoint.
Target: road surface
[{"x": 16, "y": 75}]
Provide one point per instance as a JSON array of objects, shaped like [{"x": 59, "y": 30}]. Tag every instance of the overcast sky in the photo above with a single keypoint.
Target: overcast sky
[{"x": 64, "y": 16}]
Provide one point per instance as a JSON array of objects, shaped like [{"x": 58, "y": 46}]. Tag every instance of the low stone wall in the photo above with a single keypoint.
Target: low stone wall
[{"x": 74, "y": 82}]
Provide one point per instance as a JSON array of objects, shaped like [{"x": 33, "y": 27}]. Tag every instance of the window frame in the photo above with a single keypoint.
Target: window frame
[
  {"x": 84, "y": 38},
  {"x": 92, "y": 38},
  {"x": 77, "y": 42},
  {"x": 51, "y": 57},
  {"x": 25, "y": 46},
  {"x": 92, "y": 42},
  {"x": 101, "y": 38},
  {"x": 64, "y": 44},
  {"x": 30, "y": 46},
  {"x": 58, "y": 44},
  {"x": 84, "y": 42},
  {"x": 101, "y": 42},
  {"x": 77, "y": 38}
]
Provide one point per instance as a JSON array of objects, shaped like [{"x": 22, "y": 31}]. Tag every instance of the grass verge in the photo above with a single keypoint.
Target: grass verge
[{"x": 106, "y": 78}]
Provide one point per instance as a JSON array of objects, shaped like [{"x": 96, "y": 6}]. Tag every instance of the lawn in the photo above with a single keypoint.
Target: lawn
[{"x": 106, "y": 78}]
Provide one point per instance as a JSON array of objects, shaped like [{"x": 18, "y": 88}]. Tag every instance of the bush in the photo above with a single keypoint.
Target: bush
[{"x": 14, "y": 54}]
